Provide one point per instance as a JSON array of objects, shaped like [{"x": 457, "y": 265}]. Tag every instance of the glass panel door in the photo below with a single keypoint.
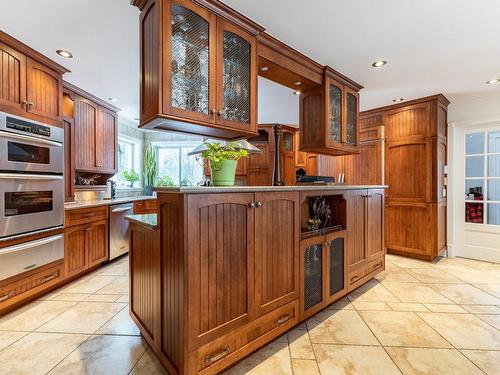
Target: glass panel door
[
  {"x": 352, "y": 119},
  {"x": 190, "y": 61},
  {"x": 313, "y": 276},
  {"x": 335, "y": 120},
  {"x": 336, "y": 265},
  {"x": 236, "y": 78}
]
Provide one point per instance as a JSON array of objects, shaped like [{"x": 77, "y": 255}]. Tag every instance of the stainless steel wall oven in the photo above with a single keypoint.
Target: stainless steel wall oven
[{"x": 31, "y": 176}]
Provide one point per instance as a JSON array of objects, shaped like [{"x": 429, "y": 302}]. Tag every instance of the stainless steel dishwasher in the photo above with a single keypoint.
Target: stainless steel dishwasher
[{"x": 118, "y": 229}]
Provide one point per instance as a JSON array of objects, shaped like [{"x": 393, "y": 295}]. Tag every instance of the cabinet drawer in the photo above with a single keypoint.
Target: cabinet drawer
[
  {"x": 374, "y": 266},
  {"x": 85, "y": 215},
  {"x": 19, "y": 287},
  {"x": 356, "y": 275},
  {"x": 228, "y": 349}
]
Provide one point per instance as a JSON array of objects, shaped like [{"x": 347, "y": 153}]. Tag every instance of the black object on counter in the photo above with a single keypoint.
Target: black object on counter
[{"x": 316, "y": 179}]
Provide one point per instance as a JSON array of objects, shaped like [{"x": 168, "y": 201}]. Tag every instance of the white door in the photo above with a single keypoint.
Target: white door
[{"x": 476, "y": 192}]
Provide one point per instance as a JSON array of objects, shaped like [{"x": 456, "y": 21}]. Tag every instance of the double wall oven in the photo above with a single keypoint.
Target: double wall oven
[{"x": 31, "y": 191}]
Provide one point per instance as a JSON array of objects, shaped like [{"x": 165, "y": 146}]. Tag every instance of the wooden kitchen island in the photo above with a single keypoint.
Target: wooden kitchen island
[{"x": 221, "y": 272}]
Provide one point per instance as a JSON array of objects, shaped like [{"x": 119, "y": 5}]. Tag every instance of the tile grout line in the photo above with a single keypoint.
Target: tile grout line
[
  {"x": 89, "y": 336},
  {"x": 382, "y": 346}
]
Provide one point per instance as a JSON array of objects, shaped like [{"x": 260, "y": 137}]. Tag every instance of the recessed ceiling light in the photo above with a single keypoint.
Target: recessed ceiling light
[
  {"x": 297, "y": 83},
  {"x": 297, "y": 92},
  {"x": 397, "y": 100},
  {"x": 64, "y": 53},
  {"x": 264, "y": 68},
  {"x": 112, "y": 99},
  {"x": 492, "y": 81},
  {"x": 378, "y": 64}
]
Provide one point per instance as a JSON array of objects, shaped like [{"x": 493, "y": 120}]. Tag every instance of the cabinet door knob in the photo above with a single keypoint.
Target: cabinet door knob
[
  {"x": 258, "y": 204},
  {"x": 213, "y": 111},
  {"x": 30, "y": 105},
  {"x": 251, "y": 205},
  {"x": 220, "y": 113},
  {"x": 24, "y": 104}
]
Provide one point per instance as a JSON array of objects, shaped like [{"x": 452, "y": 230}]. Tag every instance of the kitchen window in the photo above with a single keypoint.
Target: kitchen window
[
  {"x": 175, "y": 167},
  {"x": 482, "y": 177}
]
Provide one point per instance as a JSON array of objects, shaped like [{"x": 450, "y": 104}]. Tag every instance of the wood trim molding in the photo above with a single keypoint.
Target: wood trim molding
[
  {"x": 222, "y": 10},
  {"x": 28, "y": 51},
  {"x": 439, "y": 97},
  {"x": 329, "y": 71},
  {"x": 269, "y": 47},
  {"x": 232, "y": 16},
  {"x": 70, "y": 88}
]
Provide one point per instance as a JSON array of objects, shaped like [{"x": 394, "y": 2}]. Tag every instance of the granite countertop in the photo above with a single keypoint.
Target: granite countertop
[
  {"x": 148, "y": 220},
  {"x": 250, "y": 189},
  {"x": 105, "y": 202}
]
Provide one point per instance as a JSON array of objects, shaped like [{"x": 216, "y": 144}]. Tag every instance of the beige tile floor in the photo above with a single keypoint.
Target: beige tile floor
[{"x": 414, "y": 318}]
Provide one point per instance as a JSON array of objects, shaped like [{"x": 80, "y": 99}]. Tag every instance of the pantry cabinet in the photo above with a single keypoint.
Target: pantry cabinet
[{"x": 203, "y": 78}]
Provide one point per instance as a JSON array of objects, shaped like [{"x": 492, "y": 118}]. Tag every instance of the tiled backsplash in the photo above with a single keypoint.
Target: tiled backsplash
[{"x": 96, "y": 195}]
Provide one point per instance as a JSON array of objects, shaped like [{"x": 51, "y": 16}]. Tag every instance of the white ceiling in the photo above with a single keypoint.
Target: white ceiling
[
  {"x": 102, "y": 35},
  {"x": 433, "y": 46}
]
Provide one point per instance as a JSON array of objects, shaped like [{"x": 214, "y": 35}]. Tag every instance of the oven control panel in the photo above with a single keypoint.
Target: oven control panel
[{"x": 27, "y": 127}]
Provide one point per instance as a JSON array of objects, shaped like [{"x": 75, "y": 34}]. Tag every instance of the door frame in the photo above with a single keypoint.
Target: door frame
[{"x": 457, "y": 227}]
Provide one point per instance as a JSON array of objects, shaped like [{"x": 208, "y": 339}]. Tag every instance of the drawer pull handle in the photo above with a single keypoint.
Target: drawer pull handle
[
  {"x": 376, "y": 266},
  {"x": 283, "y": 319},
  {"x": 5, "y": 297},
  {"x": 49, "y": 277},
  {"x": 209, "y": 359},
  {"x": 355, "y": 278},
  {"x": 30, "y": 266}
]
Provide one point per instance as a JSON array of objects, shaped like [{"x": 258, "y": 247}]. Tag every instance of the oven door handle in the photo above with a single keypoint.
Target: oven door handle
[
  {"x": 31, "y": 244},
  {"x": 30, "y": 139},
  {"x": 29, "y": 176}
]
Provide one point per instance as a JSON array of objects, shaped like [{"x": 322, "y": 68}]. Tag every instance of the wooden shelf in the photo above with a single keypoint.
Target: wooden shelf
[
  {"x": 321, "y": 232},
  {"x": 90, "y": 187}
]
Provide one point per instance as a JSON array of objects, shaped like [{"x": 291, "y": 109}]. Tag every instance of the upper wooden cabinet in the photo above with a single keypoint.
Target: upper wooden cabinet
[
  {"x": 198, "y": 69},
  {"x": 95, "y": 132},
  {"x": 329, "y": 116},
  {"x": 30, "y": 83}
]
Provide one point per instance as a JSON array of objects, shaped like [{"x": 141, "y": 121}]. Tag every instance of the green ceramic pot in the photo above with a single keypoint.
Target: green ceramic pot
[{"x": 223, "y": 173}]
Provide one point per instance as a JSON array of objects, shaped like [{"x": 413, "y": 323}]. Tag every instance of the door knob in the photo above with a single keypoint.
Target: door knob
[
  {"x": 258, "y": 204},
  {"x": 220, "y": 113},
  {"x": 251, "y": 205},
  {"x": 213, "y": 111}
]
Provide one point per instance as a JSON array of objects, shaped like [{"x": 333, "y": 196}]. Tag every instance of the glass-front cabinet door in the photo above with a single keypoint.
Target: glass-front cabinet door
[
  {"x": 335, "y": 113},
  {"x": 352, "y": 111},
  {"x": 191, "y": 59},
  {"x": 237, "y": 78}
]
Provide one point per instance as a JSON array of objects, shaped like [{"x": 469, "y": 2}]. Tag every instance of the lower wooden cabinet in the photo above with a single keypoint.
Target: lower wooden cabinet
[
  {"x": 365, "y": 223},
  {"x": 323, "y": 271},
  {"x": 225, "y": 274},
  {"x": 85, "y": 245}
]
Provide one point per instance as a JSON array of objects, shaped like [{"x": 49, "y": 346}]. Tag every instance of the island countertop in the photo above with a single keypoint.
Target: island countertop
[
  {"x": 251, "y": 189},
  {"x": 147, "y": 220}
]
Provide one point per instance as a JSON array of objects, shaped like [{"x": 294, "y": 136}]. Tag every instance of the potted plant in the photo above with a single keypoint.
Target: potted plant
[
  {"x": 149, "y": 169},
  {"x": 130, "y": 176},
  {"x": 223, "y": 160},
  {"x": 164, "y": 181}
]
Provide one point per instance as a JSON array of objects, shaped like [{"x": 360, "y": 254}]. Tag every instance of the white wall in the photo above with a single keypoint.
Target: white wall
[
  {"x": 466, "y": 114},
  {"x": 277, "y": 104}
]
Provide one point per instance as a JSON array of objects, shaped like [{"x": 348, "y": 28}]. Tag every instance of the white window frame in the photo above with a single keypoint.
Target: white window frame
[
  {"x": 485, "y": 178},
  {"x": 136, "y": 158},
  {"x": 173, "y": 145}
]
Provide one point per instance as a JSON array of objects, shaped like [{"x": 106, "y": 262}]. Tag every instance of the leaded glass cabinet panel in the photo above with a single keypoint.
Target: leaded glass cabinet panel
[
  {"x": 191, "y": 59},
  {"x": 237, "y": 77},
  {"x": 351, "y": 119},
  {"x": 335, "y": 118}
]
